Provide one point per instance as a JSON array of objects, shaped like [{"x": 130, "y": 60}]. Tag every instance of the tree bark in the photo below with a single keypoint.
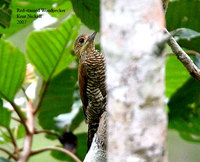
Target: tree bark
[
  {"x": 97, "y": 152},
  {"x": 132, "y": 32}
]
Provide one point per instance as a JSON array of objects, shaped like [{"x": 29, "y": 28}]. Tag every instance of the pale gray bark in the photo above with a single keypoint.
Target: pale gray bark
[
  {"x": 97, "y": 152},
  {"x": 137, "y": 124}
]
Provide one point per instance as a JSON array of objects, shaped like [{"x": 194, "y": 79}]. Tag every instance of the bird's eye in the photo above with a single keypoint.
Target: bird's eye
[{"x": 81, "y": 40}]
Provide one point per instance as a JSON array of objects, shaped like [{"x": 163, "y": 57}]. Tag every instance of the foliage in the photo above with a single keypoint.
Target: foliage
[
  {"x": 12, "y": 74},
  {"x": 184, "y": 14},
  {"x": 59, "y": 100},
  {"x": 5, "y": 116},
  {"x": 23, "y": 6},
  {"x": 184, "y": 112},
  {"x": 5, "y": 14},
  {"x": 89, "y": 12},
  {"x": 181, "y": 89},
  {"x": 50, "y": 53}
]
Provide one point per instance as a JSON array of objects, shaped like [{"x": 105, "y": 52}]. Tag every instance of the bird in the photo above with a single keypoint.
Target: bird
[{"x": 91, "y": 77}]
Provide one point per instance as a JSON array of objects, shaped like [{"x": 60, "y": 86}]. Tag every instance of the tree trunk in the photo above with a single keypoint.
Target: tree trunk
[{"x": 132, "y": 36}]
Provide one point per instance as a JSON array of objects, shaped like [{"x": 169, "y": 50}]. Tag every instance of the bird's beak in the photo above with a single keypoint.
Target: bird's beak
[{"x": 92, "y": 36}]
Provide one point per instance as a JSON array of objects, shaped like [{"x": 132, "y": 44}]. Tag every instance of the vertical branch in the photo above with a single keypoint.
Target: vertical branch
[
  {"x": 131, "y": 36},
  {"x": 26, "y": 152}
]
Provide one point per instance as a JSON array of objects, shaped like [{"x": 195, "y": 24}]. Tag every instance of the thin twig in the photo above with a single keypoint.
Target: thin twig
[
  {"x": 57, "y": 149},
  {"x": 48, "y": 132},
  {"x": 9, "y": 153},
  {"x": 24, "y": 91},
  {"x": 13, "y": 140},
  {"x": 41, "y": 97},
  {"x": 16, "y": 119},
  {"x": 181, "y": 54},
  {"x": 9, "y": 157},
  {"x": 193, "y": 53},
  {"x": 20, "y": 114},
  {"x": 17, "y": 110},
  {"x": 184, "y": 58},
  {"x": 29, "y": 135}
]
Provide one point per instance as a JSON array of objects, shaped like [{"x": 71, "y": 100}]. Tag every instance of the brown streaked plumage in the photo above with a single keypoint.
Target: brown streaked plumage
[{"x": 91, "y": 81}]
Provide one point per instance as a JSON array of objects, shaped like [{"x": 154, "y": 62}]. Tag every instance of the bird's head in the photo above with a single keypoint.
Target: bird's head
[{"x": 83, "y": 43}]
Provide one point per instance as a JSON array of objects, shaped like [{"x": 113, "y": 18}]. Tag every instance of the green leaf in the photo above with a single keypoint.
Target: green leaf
[
  {"x": 197, "y": 60},
  {"x": 5, "y": 13},
  {"x": 184, "y": 110},
  {"x": 179, "y": 17},
  {"x": 4, "y": 160},
  {"x": 189, "y": 137},
  {"x": 19, "y": 131},
  {"x": 175, "y": 75},
  {"x": 5, "y": 116},
  {"x": 61, "y": 156},
  {"x": 12, "y": 70},
  {"x": 77, "y": 120},
  {"x": 81, "y": 149},
  {"x": 88, "y": 12},
  {"x": 24, "y": 10},
  {"x": 82, "y": 145},
  {"x": 58, "y": 98},
  {"x": 60, "y": 6},
  {"x": 49, "y": 50},
  {"x": 187, "y": 34}
]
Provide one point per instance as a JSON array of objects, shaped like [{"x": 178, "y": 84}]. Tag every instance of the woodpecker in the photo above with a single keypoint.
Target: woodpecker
[{"x": 91, "y": 75}]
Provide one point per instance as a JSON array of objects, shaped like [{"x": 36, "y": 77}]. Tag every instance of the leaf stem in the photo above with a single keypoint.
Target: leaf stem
[
  {"x": 24, "y": 91},
  {"x": 13, "y": 140},
  {"x": 41, "y": 97},
  {"x": 57, "y": 149},
  {"x": 9, "y": 153},
  {"x": 29, "y": 135},
  {"x": 16, "y": 119},
  {"x": 18, "y": 111},
  {"x": 184, "y": 58},
  {"x": 48, "y": 132},
  {"x": 20, "y": 114}
]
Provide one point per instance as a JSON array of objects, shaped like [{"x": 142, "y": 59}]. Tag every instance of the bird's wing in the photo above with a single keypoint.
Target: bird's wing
[{"x": 82, "y": 76}]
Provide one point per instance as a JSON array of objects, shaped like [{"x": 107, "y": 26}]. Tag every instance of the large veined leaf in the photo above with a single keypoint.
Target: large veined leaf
[
  {"x": 12, "y": 70},
  {"x": 58, "y": 98},
  {"x": 88, "y": 11},
  {"x": 5, "y": 116},
  {"x": 184, "y": 110},
  {"x": 184, "y": 14},
  {"x": 49, "y": 50}
]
